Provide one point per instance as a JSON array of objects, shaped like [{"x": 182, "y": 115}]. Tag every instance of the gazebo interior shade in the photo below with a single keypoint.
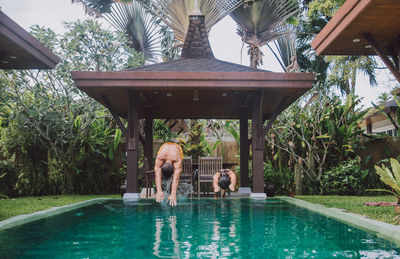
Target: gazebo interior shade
[
  {"x": 195, "y": 86},
  {"x": 345, "y": 33},
  {"x": 20, "y": 50}
]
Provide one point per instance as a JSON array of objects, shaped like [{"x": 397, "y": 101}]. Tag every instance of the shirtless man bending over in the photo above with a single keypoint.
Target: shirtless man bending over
[
  {"x": 168, "y": 163},
  {"x": 224, "y": 180}
]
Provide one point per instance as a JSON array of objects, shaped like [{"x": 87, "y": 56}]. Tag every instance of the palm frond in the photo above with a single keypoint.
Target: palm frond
[
  {"x": 260, "y": 19},
  {"x": 139, "y": 26},
  {"x": 175, "y": 13},
  {"x": 132, "y": 19},
  {"x": 286, "y": 44},
  {"x": 98, "y": 7}
]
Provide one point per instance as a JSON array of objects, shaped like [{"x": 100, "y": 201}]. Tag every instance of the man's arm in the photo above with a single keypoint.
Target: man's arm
[
  {"x": 175, "y": 182},
  {"x": 157, "y": 173},
  {"x": 216, "y": 177},
  {"x": 233, "y": 177}
]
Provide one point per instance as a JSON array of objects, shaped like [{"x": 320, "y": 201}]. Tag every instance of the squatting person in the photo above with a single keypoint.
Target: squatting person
[{"x": 223, "y": 181}]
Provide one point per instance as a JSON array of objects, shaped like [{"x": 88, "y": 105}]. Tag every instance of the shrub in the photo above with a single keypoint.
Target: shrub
[
  {"x": 283, "y": 181},
  {"x": 344, "y": 179},
  {"x": 8, "y": 178}
]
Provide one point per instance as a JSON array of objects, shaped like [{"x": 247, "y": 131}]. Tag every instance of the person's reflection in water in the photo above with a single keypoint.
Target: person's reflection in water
[
  {"x": 156, "y": 248},
  {"x": 232, "y": 229},
  {"x": 158, "y": 238},
  {"x": 216, "y": 231},
  {"x": 174, "y": 234},
  {"x": 224, "y": 234}
]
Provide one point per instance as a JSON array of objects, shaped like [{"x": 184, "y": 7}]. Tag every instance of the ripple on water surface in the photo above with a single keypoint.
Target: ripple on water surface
[{"x": 195, "y": 228}]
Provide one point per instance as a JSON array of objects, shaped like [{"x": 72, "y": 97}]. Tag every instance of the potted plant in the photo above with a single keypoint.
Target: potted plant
[
  {"x": 391, "y": 178},
  {"x": 269, "y": 189}
]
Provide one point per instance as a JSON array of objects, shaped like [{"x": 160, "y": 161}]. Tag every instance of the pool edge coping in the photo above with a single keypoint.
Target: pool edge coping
[
  {"x": 381, "y": 229},
  {"x": 27, "y": 218}
]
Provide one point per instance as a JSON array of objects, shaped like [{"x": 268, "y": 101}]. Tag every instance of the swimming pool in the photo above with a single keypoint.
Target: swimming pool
[{"x": 195, "y": 228}]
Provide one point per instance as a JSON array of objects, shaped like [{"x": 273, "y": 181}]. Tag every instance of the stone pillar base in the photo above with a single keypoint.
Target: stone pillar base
[
  {"x": 131, "y": 196},
  {"x": 244, "y": 190},
  {"x": 143, "y": 192},
  {"x": 261, "y": 195}
]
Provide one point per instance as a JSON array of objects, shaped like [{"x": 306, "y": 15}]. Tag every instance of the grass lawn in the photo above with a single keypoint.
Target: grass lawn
[
  {"x": 355, "y": 204},
  {"x": 27, "y": 205}
]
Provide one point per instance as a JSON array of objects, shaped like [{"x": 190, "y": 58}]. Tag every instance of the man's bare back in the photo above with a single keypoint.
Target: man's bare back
[{"x": 169, "y": 159}]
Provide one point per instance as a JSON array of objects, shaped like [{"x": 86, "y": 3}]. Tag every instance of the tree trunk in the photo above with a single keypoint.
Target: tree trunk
[{"x": 298, "y": 175}]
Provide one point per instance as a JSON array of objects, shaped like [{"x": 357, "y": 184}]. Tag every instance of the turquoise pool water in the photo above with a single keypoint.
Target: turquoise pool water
[{"x": 229, "y": 228}]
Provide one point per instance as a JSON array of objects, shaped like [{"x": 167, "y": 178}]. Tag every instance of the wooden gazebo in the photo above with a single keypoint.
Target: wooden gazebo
[
  {"x": 195, "y": 86},
  {"x": 20, "y": 50},
  {"x": 364, "y": 27}
]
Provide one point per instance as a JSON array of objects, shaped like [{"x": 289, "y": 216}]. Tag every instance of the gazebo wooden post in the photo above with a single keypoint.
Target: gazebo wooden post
[
  {"x": 197, "y": 72},
  {"x": 132, "y": 188},
  {"x": 257, "y": 145},
  {"x": 148, "y": 146},
  {"x": 244, "y": 151}
]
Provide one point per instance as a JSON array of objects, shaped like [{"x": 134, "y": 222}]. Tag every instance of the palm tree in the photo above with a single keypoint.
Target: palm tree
[
  {"x": 175, "y": 13},
  {"x": 131, "y": 18},
  {"x": 127, "y": 15},
  {"x": 286, "y": 47},
  {"x": 344, "y": 71},
  {"x": 259, "y": 23},
  {"x": 383, "y": 98},
  {"x": 98, "y": 7}
]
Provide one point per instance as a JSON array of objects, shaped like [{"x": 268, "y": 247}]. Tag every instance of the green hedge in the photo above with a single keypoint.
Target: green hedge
[{"x": 344, "y": 179}]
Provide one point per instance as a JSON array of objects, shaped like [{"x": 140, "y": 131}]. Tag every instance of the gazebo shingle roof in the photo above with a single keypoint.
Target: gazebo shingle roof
[
  {"x": 197, "y": 85},
  {"x": 197, "y": 64},
  {"x": 20, "y": 50}
]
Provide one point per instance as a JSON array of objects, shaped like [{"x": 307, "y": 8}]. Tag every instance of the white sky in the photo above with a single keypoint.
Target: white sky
[{"x": 226, "y": 44}]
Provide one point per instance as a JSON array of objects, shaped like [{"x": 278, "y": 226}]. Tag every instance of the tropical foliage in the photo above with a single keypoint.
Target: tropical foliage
[
  {"x": 195, "y": 145},
  {"x": 344, "y": 179},
  {"x": 175, "y": 13},
  {"x": 318, "y": 136},
  {"x": 59, "y": 140},
  {"x": 390, "y": 177},
  {"x": 54, "y": 139},
  {"x": 260, "y": 22},
  {"x": 130, "y": 17}
]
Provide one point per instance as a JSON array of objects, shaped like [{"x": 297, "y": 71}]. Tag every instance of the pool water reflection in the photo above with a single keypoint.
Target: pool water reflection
[{"x": 195, "y": 228}]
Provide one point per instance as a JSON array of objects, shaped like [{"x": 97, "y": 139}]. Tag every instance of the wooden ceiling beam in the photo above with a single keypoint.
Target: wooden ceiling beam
[
  {"x": 180, "y": 103},
  {"x": 143, "y": 97},
  {"x": 247, "y": 99},
  {"x": 391, "y": 66}
]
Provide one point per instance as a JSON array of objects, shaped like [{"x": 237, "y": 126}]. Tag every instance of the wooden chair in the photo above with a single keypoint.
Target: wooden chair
[
  {"x": 187, "y": 174},
  {"x": 150, "y": 180},
  {"x": 208, "y": 166},
  {"x": 187, "y": 171}
]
